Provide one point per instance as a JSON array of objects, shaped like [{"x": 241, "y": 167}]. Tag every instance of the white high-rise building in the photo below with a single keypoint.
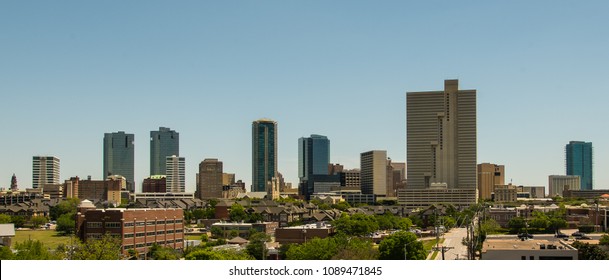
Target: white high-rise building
[
  {"x": 45, "y": 170},
  {"x": 176, "y": 174}
]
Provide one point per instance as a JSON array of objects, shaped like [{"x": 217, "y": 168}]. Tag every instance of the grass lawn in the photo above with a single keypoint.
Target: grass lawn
[
  {"x": 192, "y": 237},
  {"x": 429, "y": 244},
  {"x": 49, "y": 237}
]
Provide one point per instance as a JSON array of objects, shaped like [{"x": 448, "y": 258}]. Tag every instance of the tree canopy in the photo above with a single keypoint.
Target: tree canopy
[{"x": 392, "y": 247}]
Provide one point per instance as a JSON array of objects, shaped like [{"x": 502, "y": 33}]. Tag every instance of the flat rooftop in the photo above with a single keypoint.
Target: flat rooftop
[{"x": 530, "y": 244}]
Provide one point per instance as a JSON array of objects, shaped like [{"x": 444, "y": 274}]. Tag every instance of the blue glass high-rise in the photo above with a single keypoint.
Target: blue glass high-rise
[
  {"x": 579, "y": 162},
  {"x": 313, "y": 161}
]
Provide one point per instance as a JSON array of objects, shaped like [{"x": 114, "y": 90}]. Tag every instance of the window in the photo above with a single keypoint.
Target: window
[
  {"x": 140, "y": 234},
  {"x": 161, "y": 232},
  {"x": 140, "y": 224},
  {"x": 130, "y": 224},
  {"x": 151, "y": 233},
  {"x": 160, "y": 222},
  {"x": 150, "y": 223},
  {"x": 94, "y": 224},
  {"x": 128, "y": 235},
  {"x": 113, "y": 225}
]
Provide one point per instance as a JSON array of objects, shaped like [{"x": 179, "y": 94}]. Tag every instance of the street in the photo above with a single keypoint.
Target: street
[{"x": 453, "y": 239}]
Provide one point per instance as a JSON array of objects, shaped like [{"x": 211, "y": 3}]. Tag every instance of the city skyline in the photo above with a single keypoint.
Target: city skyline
[{"x": 342, "y": 75}]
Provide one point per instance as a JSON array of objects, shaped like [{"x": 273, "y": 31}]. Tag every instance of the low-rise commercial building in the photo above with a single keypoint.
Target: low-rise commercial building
[
  {"x": 300, "y": 234},
  {"x": 502, "y": 249}
]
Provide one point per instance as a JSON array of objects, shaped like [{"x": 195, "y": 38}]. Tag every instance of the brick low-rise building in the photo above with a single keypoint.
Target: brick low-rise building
[{"x": 138, "y": 229}]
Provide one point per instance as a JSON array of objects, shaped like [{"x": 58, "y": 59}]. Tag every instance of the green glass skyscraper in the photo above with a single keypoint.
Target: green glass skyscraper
[
  {"x": 264, "y": 153},
  {"x": 163, "y": 143},
  {"x": 579, "y": 162},
  {"x": 119, "y": 154}
]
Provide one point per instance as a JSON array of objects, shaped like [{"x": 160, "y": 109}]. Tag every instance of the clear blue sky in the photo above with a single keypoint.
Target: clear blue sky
[{"x": 71, "y": 71}]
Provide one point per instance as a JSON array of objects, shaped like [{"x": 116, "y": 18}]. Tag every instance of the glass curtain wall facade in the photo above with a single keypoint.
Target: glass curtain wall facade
[
  {"x": 119, "y": 152},
  {"x": 163, "y": 143},
  {"x": 264, "y": 153},
  {"x": 579, "y": 162}
]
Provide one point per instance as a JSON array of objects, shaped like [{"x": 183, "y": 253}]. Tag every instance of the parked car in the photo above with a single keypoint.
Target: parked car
[
  {"x": 583, "y": 236},
  {"x": 577, "y": 233},
  {"x": 525, "y": 235},
  {"x": 560, "y": 235}
]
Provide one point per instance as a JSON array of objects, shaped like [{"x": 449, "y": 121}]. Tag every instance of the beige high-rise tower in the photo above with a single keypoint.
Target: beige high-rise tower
[
  {"x": 441, "y": 138},
  {"x": 489, "y": 175}
]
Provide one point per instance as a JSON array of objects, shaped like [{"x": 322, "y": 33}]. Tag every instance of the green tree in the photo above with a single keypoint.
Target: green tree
[
  {"x": 257, "y": 245},
  {"x": 6, "y": 253},
  {"x": 557, "y": 223},
  {"x": 66, "y": 224},
  {"x": 357, "y": 249},
  {"x": 341, "y": 205},
  {"x": 516, "y": 224},
  {"x": 237, "y": 213},
  {"x": 490, "y": 226},
  {"x": 158, "y": 252},
  {"x": 448, "y": 222},
  {"x": 540, "y": 221},
  {"x": 403, "y": 224},
  {"x": 65, "y": 207},
  {"x": 255, "y": 217},
  {"x": 37, "y": 221},
  {"x": 19, "y": 221},
  {"x": 314, "y": 249},
  {"x": 590, "y": 252},
  {"x": 106, "y": 248},
  {"x": 392, "y": 247},
  {"x": 356, "y": 225},
  {"x": 33, "y": 250},
  {"x": 233, "y": 233},
  {"x": 604, "y": 240},
  {"x": 210, "y": 254},
  {"x": 216, "y": 232},
  {"x": 5, "y": 219},
  {"x": 204, "y": 238}
]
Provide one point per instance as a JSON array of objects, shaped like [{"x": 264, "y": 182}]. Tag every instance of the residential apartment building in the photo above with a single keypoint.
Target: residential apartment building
[
  {"x": 176, "y": 174},
  {"x": 45, "y": 170}
]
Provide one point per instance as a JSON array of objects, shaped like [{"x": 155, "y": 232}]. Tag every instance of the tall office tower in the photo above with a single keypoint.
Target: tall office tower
[
  {"x": 210, "y": 179},
  {"x": 489, "y": 175},
  {"x": 264, "y": 153},
  {"x": 313, "y": 159},
  {"x": 176, "y": 174},
  {"x": 373, "y": 172},
  {"x": 579, "y": 162},
  {"x": 45, "y": 171},
  {"x": 559, "y": 183},
  {"x": 163, "y": 143},
  {"x": 14, "y": 186},
  {"x": 441, "y": 138},
  {"x": 119, "y": 157},
  {"x": 313, "y": 156}
]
